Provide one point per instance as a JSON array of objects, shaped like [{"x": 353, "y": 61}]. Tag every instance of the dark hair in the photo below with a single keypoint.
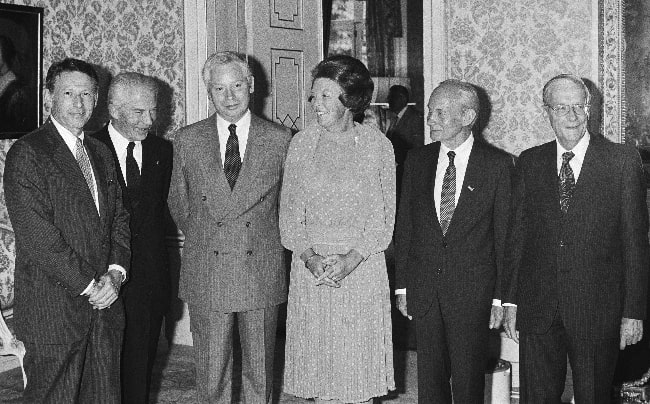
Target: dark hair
[
  {"x": 7, "y": 51},
  {"x": 69, "y": 65},
  {"x": 353, "y": 77},
  {"x": 399, "y": 90}
]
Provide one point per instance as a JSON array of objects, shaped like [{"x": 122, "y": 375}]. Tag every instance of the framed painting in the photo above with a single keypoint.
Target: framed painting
[{"x": 21, "y": 29}]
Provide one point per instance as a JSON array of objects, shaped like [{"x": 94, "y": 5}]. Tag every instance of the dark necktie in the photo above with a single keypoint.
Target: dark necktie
[
  {"x": 448, "y": 194},
  {"x": 86, "y": 168},
  {"x": 132, "y": 170},
  {"x": 566, "y": 181},
  {"x": 232, "y": 163}
]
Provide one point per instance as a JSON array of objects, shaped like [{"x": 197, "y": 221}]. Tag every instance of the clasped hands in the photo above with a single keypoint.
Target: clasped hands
[
  {"x": 332, "y": 269},
  {"x": 105, "y": 291}
]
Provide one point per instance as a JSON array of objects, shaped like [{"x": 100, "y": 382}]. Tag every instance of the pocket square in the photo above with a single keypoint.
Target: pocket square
[{"x": 471, "y": 188}]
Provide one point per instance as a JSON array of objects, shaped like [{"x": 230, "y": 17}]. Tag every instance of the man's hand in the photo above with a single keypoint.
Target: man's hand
[
  {"x": 631, "y": 332},
  {"x": 106, "y": 291},
  {"x": 510, "y": 322},
  {"x": 400, "y": 302},
  {"x": 496, "y": 317}
]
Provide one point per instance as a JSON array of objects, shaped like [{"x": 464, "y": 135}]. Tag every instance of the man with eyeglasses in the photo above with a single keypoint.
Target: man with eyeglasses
[{"x": 579, "y": 254}]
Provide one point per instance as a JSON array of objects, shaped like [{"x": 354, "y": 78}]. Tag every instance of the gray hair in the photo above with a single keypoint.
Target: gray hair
[
  {"x": 224, "y": 58},
  {"x": 125, "y": 81},
  {"x": 546, "y": 92},
  {"x": 467, "y": 95}
]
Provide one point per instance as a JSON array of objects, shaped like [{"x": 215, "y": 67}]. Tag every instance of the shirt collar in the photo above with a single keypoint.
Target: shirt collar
[
  {"x": 69, "y": 138},
  {"x": 401, "y": 113},
  {"x": 580, "y": 149},
  {"x": 119, "y": 142},
  {"x": 462, "y": 151},
  {"x": 244, "y": 122}
]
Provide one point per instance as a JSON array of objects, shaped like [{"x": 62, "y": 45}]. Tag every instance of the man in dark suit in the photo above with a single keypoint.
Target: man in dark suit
[
  {"x": 72, "y": 248},
  {"x": 145, "y": 166},
  {"x": 578, "y": 264},
  {"x": 224, "y": 198},
  {"x": 406, "y": 130},
  {"x": 449, "y": 245}
]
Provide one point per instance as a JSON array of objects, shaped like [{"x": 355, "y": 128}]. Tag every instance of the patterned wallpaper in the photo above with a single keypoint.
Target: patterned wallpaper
[
  {"x": 140, "y": 35},
  {"x": 510, "y": 48}
]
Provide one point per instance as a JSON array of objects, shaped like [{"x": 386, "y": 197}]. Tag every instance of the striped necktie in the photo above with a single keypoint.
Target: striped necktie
[
  {"x": 232, "y": 162},
  {"x": 448, "y": 194},
  {"x": 86, "y": 168},
  {"x": 566, "y": 181}
]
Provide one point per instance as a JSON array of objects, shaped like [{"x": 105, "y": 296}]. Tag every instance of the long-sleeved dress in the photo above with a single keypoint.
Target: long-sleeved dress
[{"x": 339, "y": 194}]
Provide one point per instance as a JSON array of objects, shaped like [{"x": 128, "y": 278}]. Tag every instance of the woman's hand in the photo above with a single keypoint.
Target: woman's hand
[
  {"x": 316, "y": 266},
  {"x": 338, "y": 266}
]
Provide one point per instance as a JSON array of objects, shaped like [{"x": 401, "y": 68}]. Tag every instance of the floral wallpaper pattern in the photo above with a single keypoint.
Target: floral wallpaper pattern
[
  {"x": 116, "y": 35},
  {"x": 510, "y": 48}
]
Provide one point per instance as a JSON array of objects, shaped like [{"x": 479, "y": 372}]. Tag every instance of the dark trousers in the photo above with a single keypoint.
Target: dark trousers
[
  {"x": 452, "y": 342},
  {"x": 543, "y": 366},
  {"x": 213, "y": 352},
  {"x": 143, "y": 323},
  {"x": 86, "y": 371}
]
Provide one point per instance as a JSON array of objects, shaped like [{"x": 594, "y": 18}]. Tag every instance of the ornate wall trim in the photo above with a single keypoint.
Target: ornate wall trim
[{"x": 612, "y": 69}]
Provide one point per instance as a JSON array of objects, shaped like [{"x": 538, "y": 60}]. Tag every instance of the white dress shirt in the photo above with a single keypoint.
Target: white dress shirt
[
  {"x": 580, "y": 149},
  {"x": 120, "y": 143},
  {"x": 243, "y": 128}
]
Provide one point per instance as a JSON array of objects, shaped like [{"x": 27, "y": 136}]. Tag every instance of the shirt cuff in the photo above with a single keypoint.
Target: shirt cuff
[
  {"x": 119, "y": 269},
  {"x": 400, "y": 291},
  {"x": 509, "y": 304},
  {"x": 86, "y": 291},
  {"x": 496, "y": 302}
]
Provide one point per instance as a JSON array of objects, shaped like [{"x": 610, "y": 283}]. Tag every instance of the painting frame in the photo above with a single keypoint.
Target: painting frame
[{"x": 21, "y": 33}]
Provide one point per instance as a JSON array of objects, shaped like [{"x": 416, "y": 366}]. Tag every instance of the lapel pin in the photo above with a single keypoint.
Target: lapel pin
[{"x": 470, "y": 188}]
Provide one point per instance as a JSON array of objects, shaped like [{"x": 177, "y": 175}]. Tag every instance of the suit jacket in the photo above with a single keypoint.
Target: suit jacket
[
  {"x": 232, "y": 257},
  {"x": 149, "y": 275},
  {"x": 61, "y": 241},
  {"x": 407, "y": 134},
  {"x": 591, "y": 264},
  {"x": 470, "y": 255}
]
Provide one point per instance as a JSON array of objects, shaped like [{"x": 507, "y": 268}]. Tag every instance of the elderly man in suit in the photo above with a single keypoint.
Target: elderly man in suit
[
  {"x": 449, "y": 246},
  {"x": 145, "y": 167},
  {"x": 579, "y": 254},
  {"x": 72, "y": 248},
  {"x": 224, "y": 198}
]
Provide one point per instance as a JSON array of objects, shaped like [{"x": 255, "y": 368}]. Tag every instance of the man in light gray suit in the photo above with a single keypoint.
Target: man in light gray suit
[{"x": 224, "y": 198}]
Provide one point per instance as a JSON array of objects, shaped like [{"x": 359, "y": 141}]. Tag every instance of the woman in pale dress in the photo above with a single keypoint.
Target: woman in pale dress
[{"x": 337, "y": 212}]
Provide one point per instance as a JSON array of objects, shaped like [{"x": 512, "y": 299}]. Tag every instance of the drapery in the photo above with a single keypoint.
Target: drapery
[{"x": 384, "y": 22}]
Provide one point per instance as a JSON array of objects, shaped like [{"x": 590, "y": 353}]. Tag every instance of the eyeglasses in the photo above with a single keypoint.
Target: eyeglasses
[{"x": 563, "y": 109}]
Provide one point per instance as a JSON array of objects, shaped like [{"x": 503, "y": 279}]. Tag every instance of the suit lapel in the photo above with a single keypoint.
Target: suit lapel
[
  {"x": 66, "y": 162},
  {"x": 100, "y": 178},
  {"x": 589, "y": 173},
  {"x": 210, "y": 158},
  {"x": 429, "y": 182}
]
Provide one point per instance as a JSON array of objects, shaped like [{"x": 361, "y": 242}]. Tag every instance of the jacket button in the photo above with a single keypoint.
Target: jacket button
[
  {"x": 216, "y": 253},
  {"x": 438, "y": 271},
  {"x": 204, "y": 198},
  {"x": 219, "y": 224},
  {"x": 248, "y": 224},
  {"x": 444, "y": 244},
  {"x": 562, "y": 243},
  {"x": 249, "y": 252},
  {"x": 261, "y": 199}
]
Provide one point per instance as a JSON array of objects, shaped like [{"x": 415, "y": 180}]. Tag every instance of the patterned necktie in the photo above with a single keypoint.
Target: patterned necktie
[
  {"x": 448, "y": 194},
  {"x": 232, "y": 163},
  {"x": 84, "y": 164},
  {"x": 566, "y": 181},
  {"x": 132, "y": 170}
]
